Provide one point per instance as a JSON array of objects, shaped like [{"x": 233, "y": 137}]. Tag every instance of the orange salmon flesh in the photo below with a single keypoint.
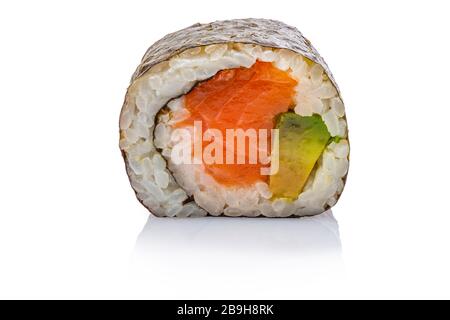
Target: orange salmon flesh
[{"x": 240, "y": 98}]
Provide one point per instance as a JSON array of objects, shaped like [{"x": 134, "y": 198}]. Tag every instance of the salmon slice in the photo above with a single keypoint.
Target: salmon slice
[{"x": 241, "y": 98}]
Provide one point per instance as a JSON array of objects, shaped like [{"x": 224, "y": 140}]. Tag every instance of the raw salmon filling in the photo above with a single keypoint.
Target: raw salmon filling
[{"x": 241, "y": 98}]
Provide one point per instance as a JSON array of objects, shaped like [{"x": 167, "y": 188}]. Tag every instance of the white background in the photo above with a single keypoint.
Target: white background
[{"x": 69, "y": 221}]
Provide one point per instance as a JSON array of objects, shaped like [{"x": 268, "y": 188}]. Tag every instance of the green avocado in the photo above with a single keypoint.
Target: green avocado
[{"x": 302, "y": 141}]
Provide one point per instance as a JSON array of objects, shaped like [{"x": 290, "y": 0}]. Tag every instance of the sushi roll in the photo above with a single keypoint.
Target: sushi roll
[{"x": 235, "y": 118}]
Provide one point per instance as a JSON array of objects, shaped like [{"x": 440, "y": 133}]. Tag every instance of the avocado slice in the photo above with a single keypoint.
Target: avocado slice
[{"x": 301, "y": 142}]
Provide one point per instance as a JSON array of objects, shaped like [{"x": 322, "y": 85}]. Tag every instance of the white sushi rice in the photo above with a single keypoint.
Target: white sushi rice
[{"x": 185, "y": 190}]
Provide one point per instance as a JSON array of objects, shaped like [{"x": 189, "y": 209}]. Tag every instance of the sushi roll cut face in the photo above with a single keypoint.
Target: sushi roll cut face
[{"x": 235, "y": 129}]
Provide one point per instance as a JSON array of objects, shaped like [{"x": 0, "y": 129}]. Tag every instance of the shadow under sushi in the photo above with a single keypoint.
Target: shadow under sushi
[
  {"x": 309, "y": 235},
  {"x": 219, "y": 255}
]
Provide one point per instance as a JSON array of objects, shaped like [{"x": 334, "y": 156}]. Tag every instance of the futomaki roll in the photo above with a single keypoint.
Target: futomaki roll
[{"x": 235, "y": 118}]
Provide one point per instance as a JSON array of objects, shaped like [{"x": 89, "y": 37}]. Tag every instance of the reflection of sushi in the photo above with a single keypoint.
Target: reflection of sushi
[{"x": 237, "y": 117}]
